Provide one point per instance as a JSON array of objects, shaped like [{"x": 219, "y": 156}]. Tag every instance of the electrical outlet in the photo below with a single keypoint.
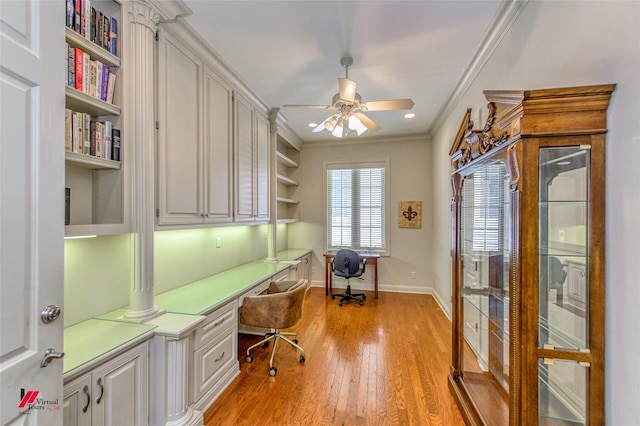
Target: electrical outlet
[{"x": 218, "y": 242}]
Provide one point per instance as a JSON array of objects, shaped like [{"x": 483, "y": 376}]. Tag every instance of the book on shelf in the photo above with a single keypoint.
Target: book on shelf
[
  {"x": 111, "y": 87},
  {"x": 92, "y": 77},
  {"x": 105, "y": 83},
  {"x": 70, "y": 12},
  {"x": 86, "y": 133},
  {"x": 67, "y": 206},
  {"x": 108, "y": 127},
  {"x": 71, "y": 76},
  {"x": 115, "y": 142},
  {"x": 86, "y": 61},
  {"x": 68, "y": 131},
  {"x": 113, "y": 36},
  {"x": 79, "y": 68},
  {"x": 105, "y": 32},
  {"x": 76, "y": 15},
  {"x": 99, "y": 133}
]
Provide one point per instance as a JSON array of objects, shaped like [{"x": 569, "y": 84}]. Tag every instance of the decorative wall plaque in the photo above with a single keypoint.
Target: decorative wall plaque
[{"x": 410, "y": 214}]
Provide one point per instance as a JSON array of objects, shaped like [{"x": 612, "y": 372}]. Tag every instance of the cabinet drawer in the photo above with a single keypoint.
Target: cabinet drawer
[
  {"x": 254, "y": 291},
  {"x": 212, "y": 361},
  {"x": 216, "y": 322}
]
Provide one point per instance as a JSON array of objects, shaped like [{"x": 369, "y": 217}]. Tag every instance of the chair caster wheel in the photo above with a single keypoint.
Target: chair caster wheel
[
  {"x": 302, "y": 358},
  {"x": 340, "y": 304},
  {"x": 361, "y": 302},
  {"x": 295, "y": 341},
  {"x": 249, "y": 358},
  {"x": 265, "y": 345},
  {"x": 364, "y": 296},
  {"x": 333, "y": 297},
  {"x": 273, "y": 371}
]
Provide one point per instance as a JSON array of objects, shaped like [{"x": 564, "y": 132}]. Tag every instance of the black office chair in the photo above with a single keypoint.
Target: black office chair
[
  {"x": 557, "y": 277},
  {"x": 346, "y": 264}
]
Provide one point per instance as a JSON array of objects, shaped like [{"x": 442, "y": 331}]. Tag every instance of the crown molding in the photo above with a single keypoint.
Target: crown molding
[{"x": 499, "y": 26}]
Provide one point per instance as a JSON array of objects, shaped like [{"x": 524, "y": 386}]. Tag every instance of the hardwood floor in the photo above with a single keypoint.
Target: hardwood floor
[{"x": 383, "y": 363}]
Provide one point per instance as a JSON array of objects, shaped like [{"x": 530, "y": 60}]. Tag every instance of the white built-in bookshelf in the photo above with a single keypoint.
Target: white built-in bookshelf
[
  {"x": 287, "y": 179},
  {"x": 95, "y": 169}
]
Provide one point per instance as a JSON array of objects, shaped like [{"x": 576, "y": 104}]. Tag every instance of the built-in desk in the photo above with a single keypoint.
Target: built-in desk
[{"x": 193, "y": 349}]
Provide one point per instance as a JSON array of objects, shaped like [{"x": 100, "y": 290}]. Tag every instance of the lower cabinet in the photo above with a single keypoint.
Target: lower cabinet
[
  {"x": 215, "y": 359},
  {"x": 115, "y": 393}
]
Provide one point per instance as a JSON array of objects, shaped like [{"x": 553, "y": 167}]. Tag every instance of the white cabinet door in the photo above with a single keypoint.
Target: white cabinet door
[
  {"x": 262, "y": 167},
  {"x": 252, "y": 163},
  {"x": 243, "y": 160},
  {"x": 218, "y": 133},
  {"x": 77, "y": 402},
  {"x": 31, "y": 208},
  {"x": 179, "y": 162},
  {"x": 120, "y": 389}
]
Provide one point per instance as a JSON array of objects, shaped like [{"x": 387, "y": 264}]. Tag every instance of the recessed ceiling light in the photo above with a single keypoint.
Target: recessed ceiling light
[
  {"x": 312, "y": 124},
  {"x": 409, "y": 115}
]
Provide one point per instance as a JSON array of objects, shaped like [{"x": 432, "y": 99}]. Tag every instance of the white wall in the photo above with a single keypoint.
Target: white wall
[
  {"x": 409, "y": 180},
  {"x": 557, "y": 44}
]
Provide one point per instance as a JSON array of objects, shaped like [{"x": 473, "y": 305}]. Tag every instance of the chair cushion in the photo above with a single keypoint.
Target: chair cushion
[{"x": 277, "y": 310}]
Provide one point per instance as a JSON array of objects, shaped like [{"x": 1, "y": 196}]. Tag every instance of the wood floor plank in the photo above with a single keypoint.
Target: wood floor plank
[{"x": 383, "y": 363}]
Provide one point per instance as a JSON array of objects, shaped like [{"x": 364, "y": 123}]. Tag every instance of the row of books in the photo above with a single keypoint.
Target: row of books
[
  {"x": 93, "y": 24},
  {"x": 89, "y": 137},
  {"x": 89, "y": 76}
]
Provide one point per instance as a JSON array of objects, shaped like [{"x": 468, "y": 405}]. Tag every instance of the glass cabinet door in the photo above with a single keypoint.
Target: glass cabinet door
[
  {"x": 485, "y": 289},
  {"x": 563, "y": 314}
]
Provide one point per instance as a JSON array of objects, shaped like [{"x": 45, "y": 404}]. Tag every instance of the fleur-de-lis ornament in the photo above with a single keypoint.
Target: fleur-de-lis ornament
[{"x": 409, "y": 214}]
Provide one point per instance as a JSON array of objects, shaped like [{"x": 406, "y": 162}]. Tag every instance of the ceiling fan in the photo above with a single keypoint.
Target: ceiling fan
[{"x": 350, "y": 108}]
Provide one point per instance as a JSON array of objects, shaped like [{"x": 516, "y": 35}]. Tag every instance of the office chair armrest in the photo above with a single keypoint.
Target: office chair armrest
[{"x": 364, "y": 264}]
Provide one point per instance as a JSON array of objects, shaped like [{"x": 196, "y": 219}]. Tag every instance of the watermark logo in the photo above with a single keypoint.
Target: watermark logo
[{"x": 29, "y": 400}]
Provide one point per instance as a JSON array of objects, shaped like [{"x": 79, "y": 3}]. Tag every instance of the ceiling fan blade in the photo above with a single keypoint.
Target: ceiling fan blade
[
  {"x": 320, "y": 127},
  {"x": 368, "y": 123},
  {"x": 306, "y": 106},
  {"x": 395, "y": 104},
  {"x": 347, "y": 89}
]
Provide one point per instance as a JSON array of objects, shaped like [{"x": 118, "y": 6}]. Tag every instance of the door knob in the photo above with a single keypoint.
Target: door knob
[
  {"x": 50, "y": 313},
  {"x": 50, "y": 354}
]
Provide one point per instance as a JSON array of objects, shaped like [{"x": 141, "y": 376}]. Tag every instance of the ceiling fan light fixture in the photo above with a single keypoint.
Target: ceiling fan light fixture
[
  {"x": 330, "y": 123},
  {"x": 356, "y": 124},
  {"x": 337, "y": 131}
]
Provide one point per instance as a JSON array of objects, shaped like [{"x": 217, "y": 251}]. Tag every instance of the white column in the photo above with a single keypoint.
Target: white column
[
  {"x": 138, "y": 67},
  {"x": 272, "y": 231}
]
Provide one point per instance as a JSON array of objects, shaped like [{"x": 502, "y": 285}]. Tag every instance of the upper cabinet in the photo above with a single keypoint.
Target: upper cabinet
[
  {"x": 251, "y": 162},
  {"x": 96, "y": 151},
  {"x": 287, "y": 180},
  {"x": 528, "y": 259},
  {"x": 194, "y": 167}
]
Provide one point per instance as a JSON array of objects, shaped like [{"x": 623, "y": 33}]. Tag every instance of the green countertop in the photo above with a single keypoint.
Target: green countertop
[
  {"x": 88, "y": 340},
  {"x": 202, "y": 296}
]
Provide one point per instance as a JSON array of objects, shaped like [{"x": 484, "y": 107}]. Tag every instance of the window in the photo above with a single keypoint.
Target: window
[{"x": 356, "y": 213}]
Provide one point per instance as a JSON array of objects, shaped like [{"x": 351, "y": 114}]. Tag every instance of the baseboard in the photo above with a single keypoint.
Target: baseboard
[{"x": 395, "y": 289}]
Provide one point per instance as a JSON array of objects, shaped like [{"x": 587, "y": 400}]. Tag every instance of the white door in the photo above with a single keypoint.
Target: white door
[{"x": 31, "y": 208}]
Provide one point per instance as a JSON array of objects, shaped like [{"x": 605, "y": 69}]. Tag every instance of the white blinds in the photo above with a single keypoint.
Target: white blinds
[{"x": 356, "y": 206}]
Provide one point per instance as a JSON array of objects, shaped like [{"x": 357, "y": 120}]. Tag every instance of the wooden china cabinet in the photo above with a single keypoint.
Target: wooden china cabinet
[{"x": 528, "y": 259}]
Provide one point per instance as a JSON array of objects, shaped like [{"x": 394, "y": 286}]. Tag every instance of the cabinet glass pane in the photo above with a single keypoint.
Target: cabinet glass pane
[
  {"x": 563, "y": 389},
  {"x": 485, "y": 288},
  {"x": 564, "y": 264}
]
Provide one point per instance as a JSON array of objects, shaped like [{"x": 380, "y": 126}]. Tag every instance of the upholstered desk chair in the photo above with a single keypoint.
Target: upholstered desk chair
[
  {"x": 346, "y": 264},
  {"x": 280, "y": 307}
]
